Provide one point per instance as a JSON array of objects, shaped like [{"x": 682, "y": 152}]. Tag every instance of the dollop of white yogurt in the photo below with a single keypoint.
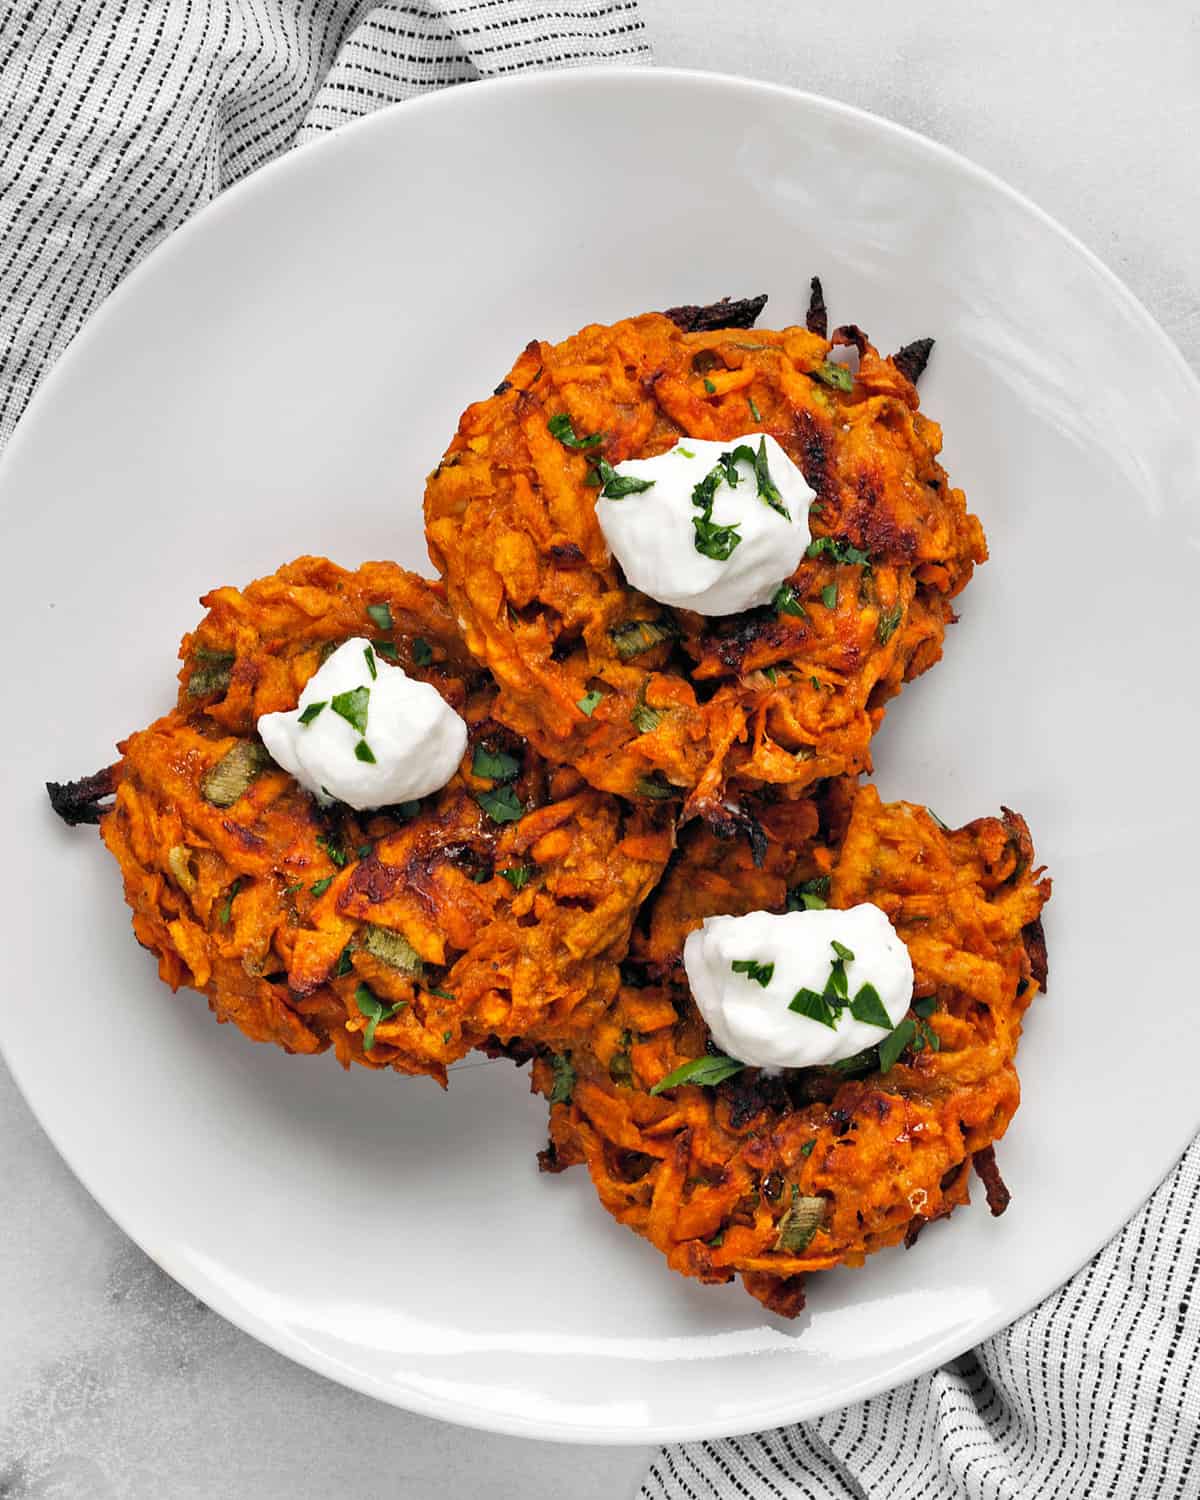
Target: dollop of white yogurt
[
  {"x": 413, "y": 739},
  {"x": 652, "y": 536},
  {"x": 752, "y": 1021}
]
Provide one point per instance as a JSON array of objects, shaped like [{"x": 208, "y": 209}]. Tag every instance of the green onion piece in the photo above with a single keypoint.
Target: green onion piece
[
  {"x": 381, "y": 614},
  {"x": 363, "y": 752},
  {"x": 433, "y": 989},
  {"x": 868, "y": 1008},
  {"x": 808, "y": 1003},
  {"x": 422, "y": 651},
  {"x": 369, "y": 657},
  {"x": 635, "y": 636},
  {"x": 753, "y": 970},
  {"x": 311, "y": 712},
  {"x": 655, "y": 787},
  {"x": 892, "y": 1046},
  {"x": 683, "y": 452},
  {"x": 945, "y": 827},
  {"x": 564, "y": 1079},
  {"x": 501, "y": 804},
  {"x": 754, "y": 411},
  {"x": 393, "y": 949},
  {"x": 590, "y": 702},
  {"x": 226, "y": 911},
  {"x": 771, "y": 675},
  {"x": 230, "y": 779},
  {"x": 211, "y": 673},
  {"x": 495, "y": 765},
  {"x": 562, "y": 428},
  {"x": 839, "y": 377},
  {"x": 800, "y": 1223},
  {"x": 704, "y": 1072},
  {"x": 889, "y": 620},
  {"x": 787, "y": 601}
]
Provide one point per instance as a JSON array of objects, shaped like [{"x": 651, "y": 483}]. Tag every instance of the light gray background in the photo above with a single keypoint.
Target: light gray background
[{"x": 116, "y": 1382}]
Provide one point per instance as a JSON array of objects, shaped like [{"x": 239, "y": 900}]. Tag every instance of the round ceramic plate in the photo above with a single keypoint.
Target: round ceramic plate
[{"x": 277, "y": 379}]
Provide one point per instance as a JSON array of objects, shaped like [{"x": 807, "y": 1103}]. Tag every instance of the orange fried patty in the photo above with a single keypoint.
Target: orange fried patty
[{"x": 785, "y": 695}]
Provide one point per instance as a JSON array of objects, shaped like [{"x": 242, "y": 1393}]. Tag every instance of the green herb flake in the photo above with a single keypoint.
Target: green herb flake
[
  {"x": 501, "y": 804},
  {"x": 684, "y": 452},
  {"x": 371, "y": 1006},
  {"x": 446, "y": 1035},
  {"x": 945, "y": 827},
  {"x": 369, "y": 658},
  {"x": 889, "y": 620},
  {"x": 771, "y": 675},
  {"x": 703, "y": 1072},
  {"x": 925, "y": 1006},
  {"x": 562, "y": 428},
  {"x": 381, "y": 614},
  {"x": 753, "y": 970},
  {"x": 892, "y": 1046},
  {"x": 495, "y": 765},
  {"x": 816, "y": 1007},
  {"x": 844, "y": 953},
  {"x": 709, "y": 387},
  {"x": 754, "y": 411},
  {"x": 564, "y": 1079},
  {"x": 211, "y": 672},
  {"x": 717, "y": 1240},
  {"x": 711, "y": 540},
  {"x": 808, "y": 1148},
  {"x": 838, "y": 377},
  {"x": 618, "y": 486},
  {"x": 517, "y": 875},
  {"x": 311, "y": 712},
  {"x": 829, "y": 596},
  {"x": 434, "y": 989},
  {"x": 838, "y": 551},
  {"x": 590, "y": 702},
  {"x": 386, "y": 649},
  {"x": 352, "y": 706},
  {"x": 655, "y": 787},
  {"x": 345, "y": 962},
  {"x": 226, "y": 912},
  {"x": 363, "y": 752},
  {"x": 787, "y": 601},
  {"x": 319, "y": 887},
  {"x": 868, "y": 1008},
  {"x": 364, "y": 851},
  {"x": 333, "y": 850},
  {"x": 290, "y": 890},
  {"x": 422, "y": 651},
  {"x": 766, "y": 485}
]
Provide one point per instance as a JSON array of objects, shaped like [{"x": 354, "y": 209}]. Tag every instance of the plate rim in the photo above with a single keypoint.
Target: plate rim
[{"x": 26, "y": 433}]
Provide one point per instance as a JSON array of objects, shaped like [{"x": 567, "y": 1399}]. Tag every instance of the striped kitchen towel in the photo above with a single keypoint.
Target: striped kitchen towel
[{"x": 118, "y": 118}]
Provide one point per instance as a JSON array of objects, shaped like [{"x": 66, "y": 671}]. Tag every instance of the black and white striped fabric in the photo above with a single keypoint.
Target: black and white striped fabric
[
  {"x": 119, "y": 118},
  {"x": 1096, "y": 1393}
]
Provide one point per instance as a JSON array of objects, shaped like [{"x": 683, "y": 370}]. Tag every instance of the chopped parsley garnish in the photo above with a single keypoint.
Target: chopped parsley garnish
[
  {"x": 685, "y": 452},
  {"x": 806, "y": 1002},
  {"x": 715, "y": 541},
  {"x": 363, "y": 752},
  {"x": 226, "y": 912},
  {"x": 810, "y": 896},
  {"x": 617, "y": 486},
  {"x": 704, "y": 1072},
  {"x": 766, "y": 485},
  {"x": 868, "y": 1007},
  {"x": 889, "y": 619},
  {"x": 840, "y": 377},
  {"x": 892, "y": 1046},
  {"x": 517, "y": 875},
  {"x": 434, "y": 989},
  {"x": 369, "y": 657},
  {"x": 753, "y": 970},
  {"x": 787, "y": 601},
  {"x": 501, "y": 804},
  {"x": 496, "y": 765},
  {"x": 754, "y": 411},
  {"x": 771, "y": 675},
  {"x": 564, "y": 1079},
  {"x": 371, "y": 1006},
  {"x": 807, "y": 1148},
  {"x": 655, "y": 786},
  {"x": 709, "y": 387},
  {"x": 381, "y": 614},
  {"x": 386, "y": 649},
  {"x": 290, "y": 890},
  {"x": 345, "y": 963},
  {"x": 844, "y": 953},
  {"x": 446, "y": 1035},
  {"x": 311, "y": 712},
  {"x": 562, "y": 428},
  {"x": 364, "y": 851},
  {"x": 334, "y": 852},
  {"x": 838, "y": 551},
  {"x": 352, "y": 706},
  {"x": 319, "y": 887},
  {"x": 925, "y": 1006},
  {"x": 422, "y": 651},
  {"x": 829, "y": 596},
  {"x": 590, "y": 702}
]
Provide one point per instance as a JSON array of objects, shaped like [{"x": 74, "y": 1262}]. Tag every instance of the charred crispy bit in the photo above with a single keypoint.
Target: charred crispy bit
[
  {"x": 766, "y": 1178},
  {"x": 1035, "y": 942},
  {"x": 998, "y": 1195},
  {"x": 784, "y": 695},
  {"x": 850, "y": 334},
  {"x": 913, "y": 1233},
  {"x": 912, "y": 359},
  {"x": 713, "y": 315},
  {"x": 80, "y": 801},
  {"x": 402, "y": 937},
  {"x": 817, "y": 318}
]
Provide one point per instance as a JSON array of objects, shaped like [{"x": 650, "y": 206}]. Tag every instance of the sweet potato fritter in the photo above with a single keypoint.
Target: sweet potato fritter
[
  {"x": 460, "y": 927},
  {"x": 785, "y": 695},
  {"x": 772, "y": 1177}
]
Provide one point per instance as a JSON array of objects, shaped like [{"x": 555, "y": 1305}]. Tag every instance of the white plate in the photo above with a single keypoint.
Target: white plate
[{"x": 278, "y": 378}]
